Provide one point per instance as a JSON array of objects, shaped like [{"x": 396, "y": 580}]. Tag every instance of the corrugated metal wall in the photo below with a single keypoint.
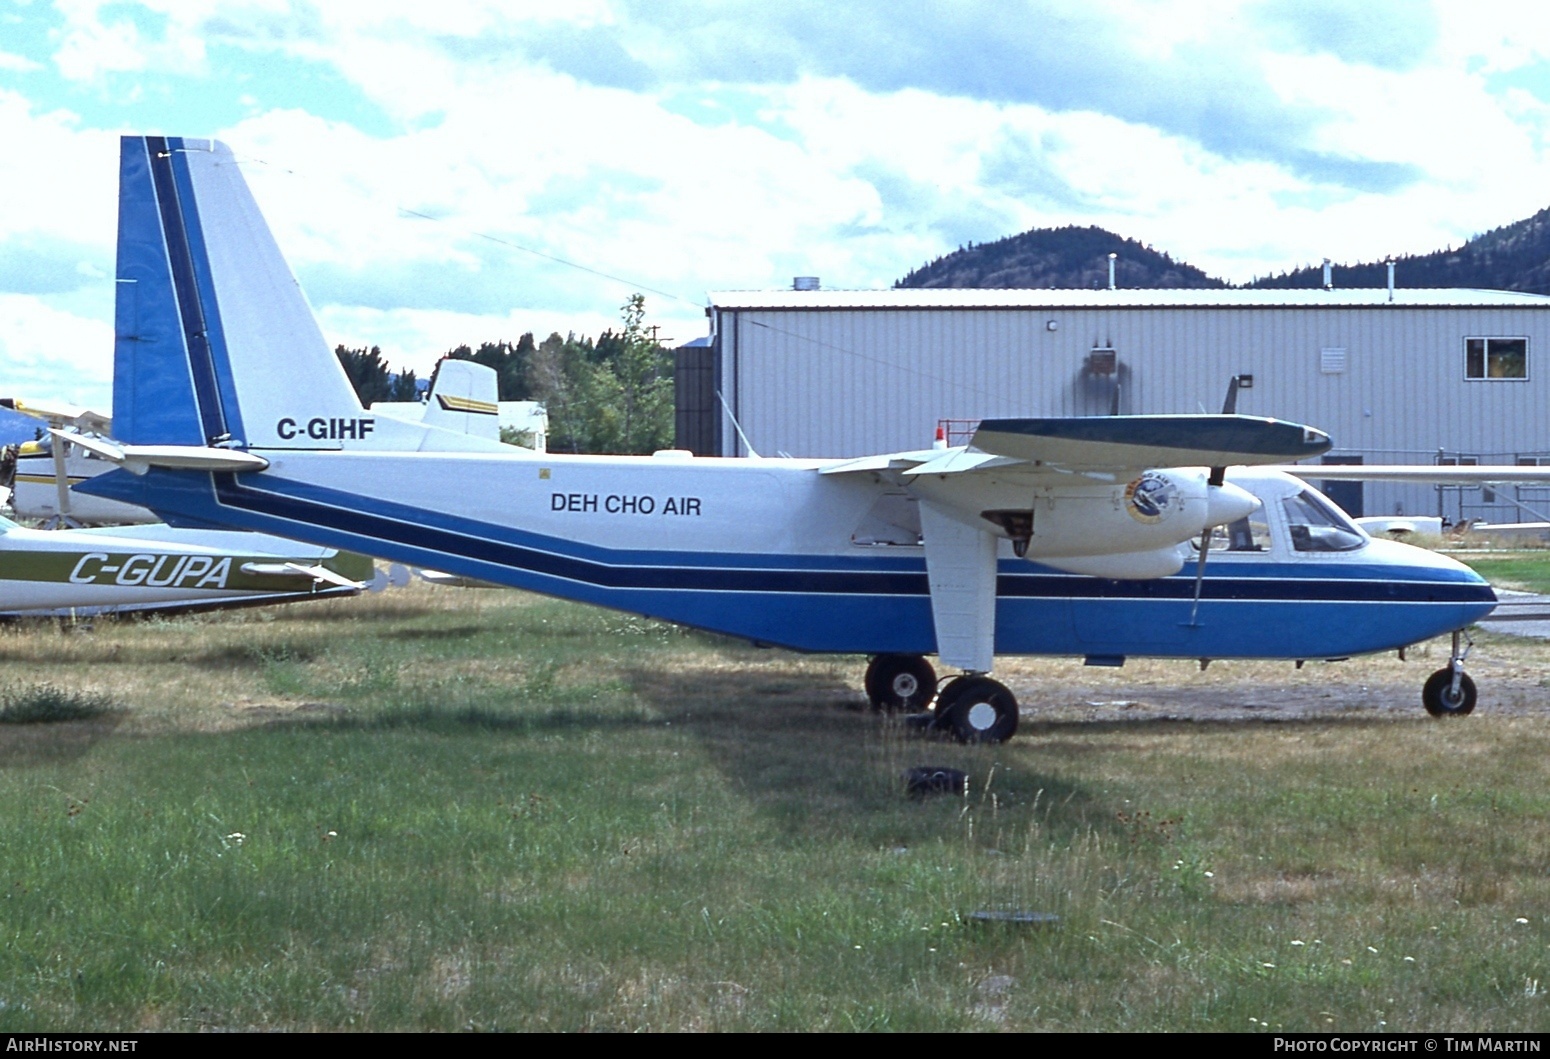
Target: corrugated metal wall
[{"x": 851, "y": 382}]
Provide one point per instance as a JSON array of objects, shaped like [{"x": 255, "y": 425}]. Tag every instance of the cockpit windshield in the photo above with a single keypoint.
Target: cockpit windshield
[
  {"x": 1251, "y": 534},
  {"x": 1316, "y": 525}
]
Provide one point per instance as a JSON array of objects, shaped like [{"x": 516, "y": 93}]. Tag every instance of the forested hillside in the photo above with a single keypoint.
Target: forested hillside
[
  {"x": 1513, "y": 257},
  {"x": 1057, "y": 257}
]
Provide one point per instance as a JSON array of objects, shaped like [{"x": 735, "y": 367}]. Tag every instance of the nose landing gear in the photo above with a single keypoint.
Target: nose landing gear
[{"x": 1449, "y": 692}]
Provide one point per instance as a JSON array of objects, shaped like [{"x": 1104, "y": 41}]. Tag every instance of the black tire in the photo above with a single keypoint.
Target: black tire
[
  {"x": 977, "y": 710},
  {"x": 1438, "y": 698},
  {"x": 900, "y": 683}
]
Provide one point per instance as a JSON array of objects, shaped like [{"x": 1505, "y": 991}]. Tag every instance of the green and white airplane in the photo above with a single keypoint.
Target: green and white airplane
[{"x": 160, "y": 569}]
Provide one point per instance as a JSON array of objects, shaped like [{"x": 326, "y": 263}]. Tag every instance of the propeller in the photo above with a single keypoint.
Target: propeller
[{"x": 1217, "y": 477}]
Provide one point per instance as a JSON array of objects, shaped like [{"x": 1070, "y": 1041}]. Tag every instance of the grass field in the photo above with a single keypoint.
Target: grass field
[
  {"x": 452, "y": 809},
  {"x": 1522, "y": 570}
]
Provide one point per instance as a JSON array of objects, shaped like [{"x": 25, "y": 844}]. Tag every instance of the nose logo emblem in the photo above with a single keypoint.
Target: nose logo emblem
[{"x": 1151, "y": 497}]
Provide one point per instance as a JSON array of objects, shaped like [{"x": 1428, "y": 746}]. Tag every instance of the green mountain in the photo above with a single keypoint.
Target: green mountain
[
  {"x": 1058, "y": 257},
  {"x": 1513, "y": 257}
]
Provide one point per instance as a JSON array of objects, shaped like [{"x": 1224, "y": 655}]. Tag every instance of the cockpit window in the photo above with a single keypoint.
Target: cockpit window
[
  {"x": 1250, "y": 534},
  {"x": 1316, "y": 525}
]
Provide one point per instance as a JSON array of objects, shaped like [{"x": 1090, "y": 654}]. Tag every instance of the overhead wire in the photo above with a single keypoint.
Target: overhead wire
[
  {"x": 499, "y": 240},
  {"x": 634, "y": 285}
]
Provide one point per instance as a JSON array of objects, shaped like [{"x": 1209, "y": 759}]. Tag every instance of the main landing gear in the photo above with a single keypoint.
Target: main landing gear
[
  {"x": 1449, "y": 692},
  {"x": 900, "y": 683},
  {"x": 974, "y": 708},
  {"x": 977, "y": 709}
]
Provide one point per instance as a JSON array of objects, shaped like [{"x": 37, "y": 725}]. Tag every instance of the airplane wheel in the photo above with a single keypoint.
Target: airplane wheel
[
  {"x": 1438, "y": 697},
  {"x": 977, "y": 710},
  {"x": 900, "y": 683}
]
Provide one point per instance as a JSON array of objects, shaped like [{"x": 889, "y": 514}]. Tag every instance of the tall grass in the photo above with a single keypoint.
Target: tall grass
[
  {"x": 49, "y": 703},
  {"x": 453, "y": 810}
]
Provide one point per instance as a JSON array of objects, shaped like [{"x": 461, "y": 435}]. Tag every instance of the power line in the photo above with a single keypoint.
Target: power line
[{"x": 502, "y": 241}]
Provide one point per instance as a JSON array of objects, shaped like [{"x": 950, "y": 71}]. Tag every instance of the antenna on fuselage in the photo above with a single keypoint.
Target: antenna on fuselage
[{"x": 737, "y": 426}]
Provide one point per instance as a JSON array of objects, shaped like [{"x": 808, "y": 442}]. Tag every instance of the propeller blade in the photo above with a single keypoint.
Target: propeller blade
[
  {"x": 1219, "y": 474},
  {"x": 1230, "y": 406}
]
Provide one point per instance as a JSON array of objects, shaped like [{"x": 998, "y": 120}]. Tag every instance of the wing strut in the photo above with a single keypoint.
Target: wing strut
[{"x": 961, "y": 569}]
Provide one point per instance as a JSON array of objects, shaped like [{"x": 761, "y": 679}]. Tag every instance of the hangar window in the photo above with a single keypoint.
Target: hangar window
[{"x": 1496, "y": 358}]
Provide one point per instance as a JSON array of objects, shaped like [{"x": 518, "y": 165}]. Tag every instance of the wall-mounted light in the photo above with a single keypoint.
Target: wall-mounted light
[{"x": 1052, "y": 325}]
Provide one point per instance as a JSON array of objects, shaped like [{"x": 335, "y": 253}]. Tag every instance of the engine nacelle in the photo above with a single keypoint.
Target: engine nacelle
[
  {"x": 1156, "y": 511},
  {"x": 1128, "y": 566}
]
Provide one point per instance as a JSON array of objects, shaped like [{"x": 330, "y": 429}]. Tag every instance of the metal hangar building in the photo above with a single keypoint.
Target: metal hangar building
[{"x": 1394, "y": 376}]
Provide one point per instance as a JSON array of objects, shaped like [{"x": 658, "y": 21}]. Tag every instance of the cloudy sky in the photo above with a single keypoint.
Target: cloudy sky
[{"x": 437, "y": 171}]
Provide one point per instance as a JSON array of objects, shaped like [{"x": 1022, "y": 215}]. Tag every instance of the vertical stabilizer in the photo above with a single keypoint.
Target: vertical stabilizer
[
  {"x": 215, "y": 343},
  {"x": 153, "y": 387},
  {"x": 464, "y": 397}
]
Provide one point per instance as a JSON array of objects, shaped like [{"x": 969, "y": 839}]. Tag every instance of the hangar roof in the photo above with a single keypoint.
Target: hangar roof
[{"x": 1046, "y": 298}]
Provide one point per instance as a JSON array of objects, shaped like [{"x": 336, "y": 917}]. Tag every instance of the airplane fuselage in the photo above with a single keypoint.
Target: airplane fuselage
[
  {"x": 775, "y": 552},
  {"x": 85, "y": 572}
]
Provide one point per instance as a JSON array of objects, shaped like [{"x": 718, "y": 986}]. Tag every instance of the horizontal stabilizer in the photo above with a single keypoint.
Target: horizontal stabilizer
[
  {"x": 1140, "y": 442},
  {"x": 1422, "y": 474},
  {"x": 140, "y": 458},
  {"x": 316, "y": 572}
]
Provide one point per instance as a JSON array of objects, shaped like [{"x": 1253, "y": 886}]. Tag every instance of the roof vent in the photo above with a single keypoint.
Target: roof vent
[
  {"x": 1329, "y": 275},
  {"x": 804, "y": 283}
]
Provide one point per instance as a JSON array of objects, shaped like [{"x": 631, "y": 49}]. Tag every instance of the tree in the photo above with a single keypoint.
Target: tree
[
  {"x": 405, "y": 387},
  {"x": 368, "y": 373},
  {"x": 509, "y": 362},
  {"x": 611, "y": 396},
  {"x": 644, "y": 371}
]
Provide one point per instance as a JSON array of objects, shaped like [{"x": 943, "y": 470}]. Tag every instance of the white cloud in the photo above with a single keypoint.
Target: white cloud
[
  {"x": 48, "y": 353},
  {"x": 415, "y": 338},
  {"x": 18, "y": 63},
  {"x": 92, "y": 46},
  {"x": 692, "y": 185}
]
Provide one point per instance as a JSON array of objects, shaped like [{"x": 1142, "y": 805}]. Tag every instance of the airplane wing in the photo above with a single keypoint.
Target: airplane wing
[
  {"x": 1105, "y": 448},
  {"x": 1106, "y": 443},
  {"x": 1421, "y": 474},
  {"x": 1101, "y": 495}
]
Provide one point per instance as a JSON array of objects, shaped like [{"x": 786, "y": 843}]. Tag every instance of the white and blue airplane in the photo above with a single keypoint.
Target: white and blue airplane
[{"x": 1057, "y": 537}]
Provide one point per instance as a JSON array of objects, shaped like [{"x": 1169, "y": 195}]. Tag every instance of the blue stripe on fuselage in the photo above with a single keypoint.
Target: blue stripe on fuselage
[{"x": 862, "y": 603}]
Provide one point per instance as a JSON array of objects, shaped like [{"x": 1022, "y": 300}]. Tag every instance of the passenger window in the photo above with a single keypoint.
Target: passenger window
[{"x": 1316, "y": 525}]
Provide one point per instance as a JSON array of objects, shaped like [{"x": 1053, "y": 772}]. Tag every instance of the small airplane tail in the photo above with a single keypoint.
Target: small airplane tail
[
  {"x": 464, "y": 397},
  {"x": 214, "y": 342}
]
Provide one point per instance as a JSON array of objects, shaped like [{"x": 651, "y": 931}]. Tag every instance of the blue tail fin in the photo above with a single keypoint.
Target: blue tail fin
[
  {"x": 214, "y": 341},
  {"x": 164, "y": 389}
]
